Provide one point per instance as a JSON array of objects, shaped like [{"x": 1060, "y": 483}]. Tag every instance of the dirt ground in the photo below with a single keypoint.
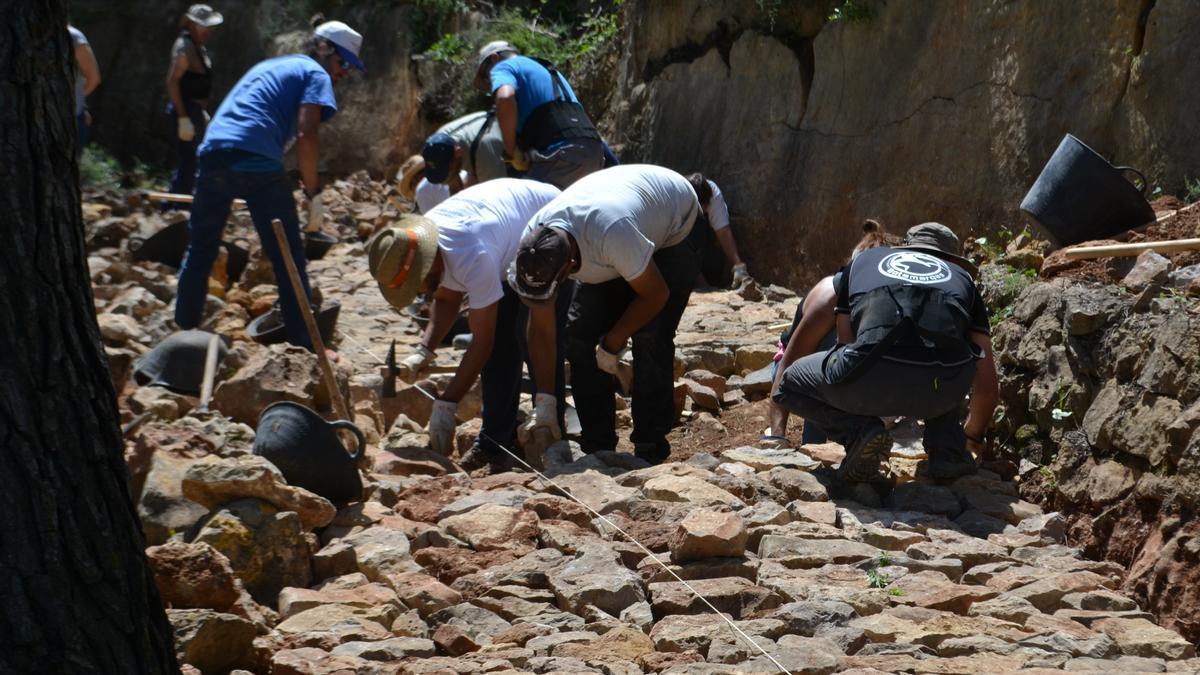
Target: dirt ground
[{"x": 1185, "y": 224}]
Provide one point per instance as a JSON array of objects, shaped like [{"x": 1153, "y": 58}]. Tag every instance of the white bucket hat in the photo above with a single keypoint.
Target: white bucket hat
[{"x": 204, "y": 15}]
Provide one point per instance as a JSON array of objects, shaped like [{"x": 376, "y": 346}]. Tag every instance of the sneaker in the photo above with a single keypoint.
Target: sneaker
[
  {"x": 951, "y": 463},
  {"x": 862, "y": 461},
  {"x": 478, "y": 458}
]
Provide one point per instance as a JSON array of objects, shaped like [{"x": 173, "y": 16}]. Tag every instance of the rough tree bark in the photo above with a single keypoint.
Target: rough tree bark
[{"x": 76, "y": 594}]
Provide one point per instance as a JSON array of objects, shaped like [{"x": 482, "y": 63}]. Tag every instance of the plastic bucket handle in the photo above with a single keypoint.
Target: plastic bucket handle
[
  {"x": 1145, "y": 183},
  {"x": 358, "y": 434}
]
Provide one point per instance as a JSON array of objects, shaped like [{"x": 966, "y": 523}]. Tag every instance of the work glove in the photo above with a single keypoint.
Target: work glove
[
  {"x": 519, "y": 160},
  {"x": 316, "y": 213},
  {"x": 441, "y": 427},
  {"x": 740, "y": 275},
  {"x": 185, "y": 129},
  {"x": 412, "y": 364},
  {"x": 544, "y": 425},
  {"x": 606, "y": 360}
]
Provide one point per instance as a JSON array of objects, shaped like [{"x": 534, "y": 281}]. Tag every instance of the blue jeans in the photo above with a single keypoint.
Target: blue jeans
[
  {"x": 184, "y": 179},
  {"x": 268, "y": 195},
  {"x": 500, "y": 380}
]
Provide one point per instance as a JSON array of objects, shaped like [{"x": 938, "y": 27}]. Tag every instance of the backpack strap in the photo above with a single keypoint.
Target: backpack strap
[{"x": 487, "y": 122}]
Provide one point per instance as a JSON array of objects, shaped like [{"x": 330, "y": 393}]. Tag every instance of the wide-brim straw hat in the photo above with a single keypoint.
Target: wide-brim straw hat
[
  {"x": 400, "y": 256},
  {"x": 411, "y": 171},
  {"x": 204, "y": 15}
]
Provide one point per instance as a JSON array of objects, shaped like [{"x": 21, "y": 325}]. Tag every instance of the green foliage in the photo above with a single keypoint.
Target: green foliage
[
  {"x": 450, "y": 49},
  {"x": 851, "y": 11},
  {"x": 771, "y": 9},
  {"x": 876, "y": 579},
  {"x": 1060, "y": 412},
  {"x": 428, "y": 20},
  {"x": 98, "y": 169},
  {"x": 598, "y": 29},
  {"x": 897, "y": 592},
  {"x": 1191, "y": 187}
]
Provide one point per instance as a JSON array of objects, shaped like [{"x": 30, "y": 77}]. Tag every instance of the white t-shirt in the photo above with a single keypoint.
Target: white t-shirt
[
  {"x": 77, "y": 39},
  {"x": 479, "y": 232},
  {"x": 718, "y": 210},
  {"x": 429, "y": 195},
  {"x": 620, "y": 215}
]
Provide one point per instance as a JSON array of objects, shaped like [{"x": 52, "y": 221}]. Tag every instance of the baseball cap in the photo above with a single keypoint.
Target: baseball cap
[
  {"x": 204, "y": 15},
  {"x": 542, "y": 255},
  {"x": 487, "y": 51},
  {"x": 439, "y": 155},
  {"x": 940, "y": 240},
  {"x": 345, "y": 39}
]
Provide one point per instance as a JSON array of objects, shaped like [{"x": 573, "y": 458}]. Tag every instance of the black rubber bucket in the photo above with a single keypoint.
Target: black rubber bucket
[{"x": 1079, "y": 196}]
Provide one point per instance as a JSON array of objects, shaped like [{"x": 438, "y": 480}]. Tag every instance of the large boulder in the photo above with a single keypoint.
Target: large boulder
[
  {"x": 213, "y": 642},
  {"x": 707, "y": 533},
  {"x": 265, "y": 546},
  {"x": 215, "y": 481},
  {"x": 279, "y": 372}
]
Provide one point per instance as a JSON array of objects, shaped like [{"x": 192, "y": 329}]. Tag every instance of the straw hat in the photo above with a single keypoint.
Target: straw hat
[
  {"x": 411, "y": 171},
  {"x": 400, "y": 256}
]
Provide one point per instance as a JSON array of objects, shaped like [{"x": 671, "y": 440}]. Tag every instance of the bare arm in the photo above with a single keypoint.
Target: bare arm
[
  {"x": 88, "y": 67},
  {"x": 985, "y": 390},
  {"x": 179, "y": 66},
  {"x": 442, "y": 313},
  {"x": 506, "y": 116},
  {"x": 816, "y": 323},
  {"x": 652, "y": 294},
  {"x": 483, "y": 332},
  {"x": 728, "y": 245},
  {"x": 541, "y": 335},
  {"x": 308, "y": 146}
]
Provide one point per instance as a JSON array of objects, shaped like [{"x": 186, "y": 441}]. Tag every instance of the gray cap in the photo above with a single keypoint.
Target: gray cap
[{"x": 940, "y": 240}]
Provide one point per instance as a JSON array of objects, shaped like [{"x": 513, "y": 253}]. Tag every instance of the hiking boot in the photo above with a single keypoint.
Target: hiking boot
[
  {"x": 861, "y": 464},
  {"x": 951, "y": 463},
  {"x": 478, "y": 458},
  {"x": 653, "y": 453}
]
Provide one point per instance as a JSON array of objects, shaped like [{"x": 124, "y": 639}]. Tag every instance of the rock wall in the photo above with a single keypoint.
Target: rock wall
[
  {"x": 945, "y": 111},
  {"x": 379, "y": 116},
  {"x": 1101, "y": 386}
]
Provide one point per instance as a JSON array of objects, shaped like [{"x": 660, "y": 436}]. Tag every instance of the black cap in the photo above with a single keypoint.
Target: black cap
[
  {"x": 543, "y": 254},
  {"x": 439, "y": 154}
]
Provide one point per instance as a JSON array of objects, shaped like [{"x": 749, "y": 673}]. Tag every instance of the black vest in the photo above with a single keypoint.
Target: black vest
[
  {"x": 194, "y": 86},
  {"x": 556, "y": 120},
  {"x": 909, "y": 306}
]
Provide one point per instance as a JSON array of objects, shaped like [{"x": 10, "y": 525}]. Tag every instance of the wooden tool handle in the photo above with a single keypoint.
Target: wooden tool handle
[
  {"x": 335, "y": 394},
  {"x": 155, "y": 196},
  {"x": 1117, "y": 250},
  {"x": 210, "y": 371}
]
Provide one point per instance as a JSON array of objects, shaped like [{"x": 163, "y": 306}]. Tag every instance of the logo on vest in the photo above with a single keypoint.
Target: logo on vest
[{"x": 913, "y": 267}]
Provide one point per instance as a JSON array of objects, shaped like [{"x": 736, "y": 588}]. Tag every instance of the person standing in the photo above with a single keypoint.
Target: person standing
[
  {"x": 462, "y": 248},
  {"x": 189, "y": 82},
  {"x": 547, "y": 134},
  {"x": 87, "y": 78},
  {"x": 623, "y": 233},
  {"x": 242, "y": 157},
  {"x": 912, "y": 341}
]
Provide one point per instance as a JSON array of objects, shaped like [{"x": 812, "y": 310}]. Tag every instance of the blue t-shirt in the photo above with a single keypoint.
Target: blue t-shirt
[
  {"x": 260, "y": 113},
  {"x": 532, "y": 82}
]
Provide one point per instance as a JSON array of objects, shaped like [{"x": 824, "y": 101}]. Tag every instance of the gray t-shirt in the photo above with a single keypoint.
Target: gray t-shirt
[
  {"x": 620, "y": 216},
  {"x": 488, "y": 162},
  {"x": 78, "y": 38}
]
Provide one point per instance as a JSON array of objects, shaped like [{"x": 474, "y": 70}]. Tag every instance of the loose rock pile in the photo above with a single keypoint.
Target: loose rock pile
[{"x": 438, "y": 571}]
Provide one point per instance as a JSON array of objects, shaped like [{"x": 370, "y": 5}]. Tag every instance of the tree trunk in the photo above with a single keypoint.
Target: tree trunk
[{"x": 76, "y": 594}]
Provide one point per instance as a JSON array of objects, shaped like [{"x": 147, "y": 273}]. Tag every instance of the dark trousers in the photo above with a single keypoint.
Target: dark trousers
[
  {"x": 850, "y": 411},
  {"x": 595, "y": 310},
  {"x": 500, "y": 380},
  {"x": 268, "y": 195},
  {"x": 184, "y": 178},
  {"x": 84, "y": 132}
]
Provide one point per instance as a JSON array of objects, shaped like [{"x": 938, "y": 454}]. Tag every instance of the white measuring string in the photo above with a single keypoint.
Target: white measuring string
[{"x": 637, "y": 543}]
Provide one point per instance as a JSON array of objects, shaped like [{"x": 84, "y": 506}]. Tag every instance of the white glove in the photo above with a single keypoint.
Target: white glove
[
  {"x": 185, "y": 129},
  {"x": 740, "y": 275},
  {"x": 316, "y": 213},
  {"x": 768, "y": 441},
  {"x": 413, "y": 363},
  {"x": 545, "y": 417},
  {"x": 441, "y": 427},
  {"x": 606, "y": 360}
]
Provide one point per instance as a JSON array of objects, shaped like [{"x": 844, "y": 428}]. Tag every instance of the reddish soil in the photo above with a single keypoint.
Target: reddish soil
[
  {"x": 1183, "y": 225},
  {"x": 742, "y": 425}
]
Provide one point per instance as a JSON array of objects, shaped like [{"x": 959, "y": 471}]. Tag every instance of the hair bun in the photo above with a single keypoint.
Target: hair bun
[
  {"x": 872, "y": 225},
  {"x": 317, "y": 19}
]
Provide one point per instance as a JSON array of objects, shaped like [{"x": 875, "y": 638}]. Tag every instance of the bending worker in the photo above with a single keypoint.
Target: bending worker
[
  {"x": 189, "y": 82},
  {"x": 717, "y": 213},
  {"x": 242, "y": 156},
  {"x": 624, "y": 234},
  {"x": 913, "y": 341},
  {"x": 463, "y": 248},
  {"x": 547, "y": 135},
  {"x": 470, "y": 145}
]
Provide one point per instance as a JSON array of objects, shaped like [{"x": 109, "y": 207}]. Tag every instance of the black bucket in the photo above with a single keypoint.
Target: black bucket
[
  {"x": 308, "y": 452},
  {"x": 268, "y": 329},
  {"x": 1079, "y": 197}
]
